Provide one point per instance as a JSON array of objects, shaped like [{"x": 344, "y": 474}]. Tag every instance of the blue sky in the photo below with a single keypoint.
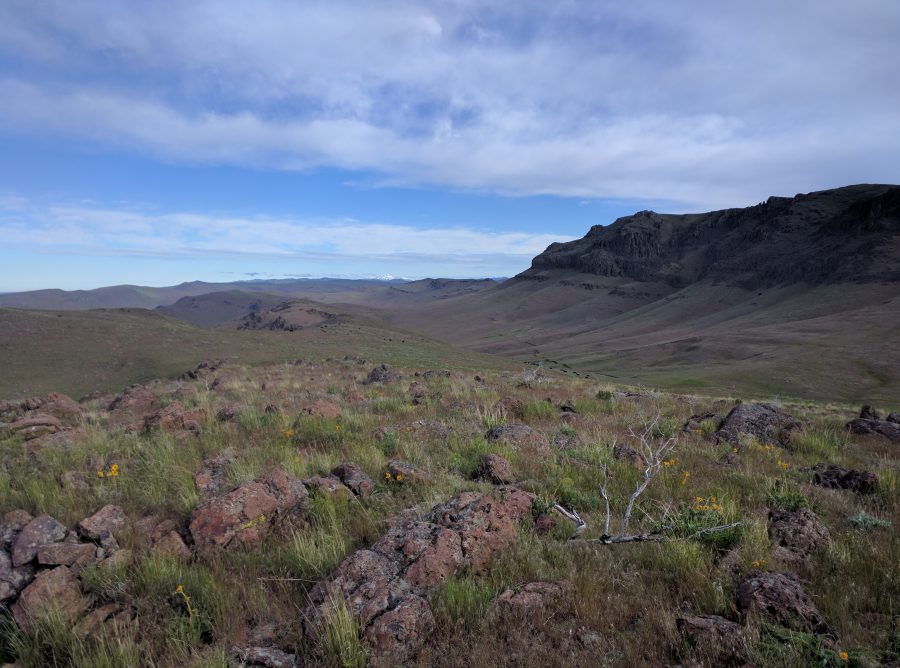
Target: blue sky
[{"x": 157, "y": 142}]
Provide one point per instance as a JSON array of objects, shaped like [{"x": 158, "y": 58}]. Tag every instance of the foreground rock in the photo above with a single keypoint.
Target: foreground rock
[
  {"x": 870, "y": 423},
  {"x": 779, "y": 598},
  {"x": 42, "y": 530},
  {"x": 108, "y": 521},
  {"x": 243, "y": 516},
  {"x": 12, "y": 579},
  {"x": 34, "y": 426},
  {"x": 762, "y": 421},
  {"x": 53, "y": 591},
  {"x": 837, "y": 477},
  {"x": 173, "y": 418},
  {"x": 385, "y": 586},
  {"x": 520, "y": 437},
  {"x": 714, "y": 640},
  {"x": 796, "y": 535},
  {"x": 495, "y": 469},
  {"x": 354, "y": 478}
]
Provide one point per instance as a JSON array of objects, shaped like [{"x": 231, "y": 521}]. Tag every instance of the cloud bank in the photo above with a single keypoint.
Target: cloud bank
[{"x": 706, "y": 104}]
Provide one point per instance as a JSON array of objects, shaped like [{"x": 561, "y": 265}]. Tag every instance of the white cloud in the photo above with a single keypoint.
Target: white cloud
[{"x": 707, "y": 104}]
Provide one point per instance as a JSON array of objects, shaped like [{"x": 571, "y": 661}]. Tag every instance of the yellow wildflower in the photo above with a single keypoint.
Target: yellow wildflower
[
  {"x": 399, "y": 477},
  {"x": 387, "y": 475},
  {"x": 844, "y": 656}
]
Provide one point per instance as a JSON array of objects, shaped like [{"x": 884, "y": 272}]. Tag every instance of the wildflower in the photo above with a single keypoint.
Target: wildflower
[
  {"x": 844, "y": 656},
  {"x": 387, "y": 476},
  {"x": 684, "y": 477},
  {"x": 179, "y": 589},
  {"x": 759, "y": 563},
  {"x": 100, "y": 474},
  {"x": 338, "y": 427},
  {"x": 399, "y": 477}
]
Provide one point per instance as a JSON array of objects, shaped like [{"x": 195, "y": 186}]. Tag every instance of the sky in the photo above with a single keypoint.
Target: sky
[{"x": 154, "y": 142}]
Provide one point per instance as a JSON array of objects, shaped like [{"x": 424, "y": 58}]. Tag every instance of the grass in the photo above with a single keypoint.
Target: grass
[{"x": 627, "y": 595}]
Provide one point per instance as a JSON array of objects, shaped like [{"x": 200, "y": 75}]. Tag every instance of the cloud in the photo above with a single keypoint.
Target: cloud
[
  {"x": 122, "y": 232},
  {"x": 708, "y": 105}
]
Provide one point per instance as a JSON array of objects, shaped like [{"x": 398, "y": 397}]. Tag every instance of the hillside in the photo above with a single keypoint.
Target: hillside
[
  {"x": 793, "y": 296},
  {"x": 83, "y": 352}
]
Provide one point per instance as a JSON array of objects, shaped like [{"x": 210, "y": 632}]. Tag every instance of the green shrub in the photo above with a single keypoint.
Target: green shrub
[
  {"x": 786, "y": 497},
  {"x": 863, "y": 521},
  {"x": 342, "y": 645},
  {"x": 462, "y": 601}
]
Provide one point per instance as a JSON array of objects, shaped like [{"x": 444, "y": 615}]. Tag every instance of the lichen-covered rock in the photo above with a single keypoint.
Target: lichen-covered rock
[
  {"x": 520, "y": 437},
  {"x": 779, "y": 598},
  {"x": 244, "y": 515},
  {"x": 52, "y": 591},
  {"x": 264, "y": 657},
  {"x": 796, "y": 535},
  {"x": 762, "y": 421},
  {"x": 42, "y": 530},
  {"x": 837, "y": 477},
  {"x": 210, "y": 479},
  {"x": 385, "y": 586},
  {"x": 405, "y": 472},
  {"x": 329, "y": 486},
  {"x": 10, "y": 526},
  {"x": 354, "y": 478},
  {"x": 714, "y": 640},
  {"x": 110, "y": 520},
  {"x": 13, "y": 579},
  {"x": 74, "y": 555},
  {"x": 495, "y": 469}
]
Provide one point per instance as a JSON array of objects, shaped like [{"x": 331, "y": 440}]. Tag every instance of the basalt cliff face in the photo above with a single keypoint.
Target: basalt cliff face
[{"x": 846, "y": 235}]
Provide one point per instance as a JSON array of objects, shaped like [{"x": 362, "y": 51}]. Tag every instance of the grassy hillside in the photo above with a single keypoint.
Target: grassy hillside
[
  {"x": 619, "y": 603},
  {"x": 82, "y": 352}
]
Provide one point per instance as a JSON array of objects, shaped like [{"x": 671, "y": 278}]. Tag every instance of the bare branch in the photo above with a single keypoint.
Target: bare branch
[
  {"x": 573, "y": 516},
  {"x": 605, "y": 496}
]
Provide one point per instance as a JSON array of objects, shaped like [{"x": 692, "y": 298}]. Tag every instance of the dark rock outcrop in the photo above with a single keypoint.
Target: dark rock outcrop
[
  {"x": 779, "y": 598},
  {"x": 796, "y": 535},
  {"x": 357, "y": 480},
  {"x": 765, "y": 422},
  {"x": 870, "y": 423},
  {"x": 837, "y": 477},
  {"x": 520, "y": 437},
  {"x": 714, "y": 640},
  {"x": 495, "y": 469}
]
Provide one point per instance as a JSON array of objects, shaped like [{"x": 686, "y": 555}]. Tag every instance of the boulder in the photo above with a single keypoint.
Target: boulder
[
  {"x": 863, "y": 427},
  {"x": 779, "y": 598},
  {"x": 510, "y": 408},
  {"x": 406, "y": 473},
  {"x": 265, "y": 657},
  {"x": 172, "y": 546},
  {"x": 129, "y": 406},
  {"x": 108, "y": 521},
  {"x": 385, "y": 586},
  {"x": 714, "y": 640},
  {"x": 495, "y": 469},
  {"x": 382, "y": 374},
  {"x": 533, "y": 596},
  {"x": 628, "y": 454},
  {"x": 693, "y": 423},
  {"x": 229, "y": 413},
  {"x": 10, "y": 526},
  {"x": 52, "y": 591},
  {"x": 12, "y": 579},
  {"x": 63, "y": 408},
  {"x": 520, "y": 437},
  {"x": 74, "y": 555},
  {"x": 173, "y": 418},
  {"x": 210, "y": 479},
  {"x": 354, "y": 478},
  {"x": 34, "y": 426},
  {"x": 868, "y": 413},
  {"x": 837, "y": 477},
  {"x": 42, "y": 530},
  {"x": 894, "y": 418},
  {"x": 765, "y": 422},
  {"x": 328, "y": 486},
  {"x": 796, "y": 535},
  {"x": 244, "y": 515}
]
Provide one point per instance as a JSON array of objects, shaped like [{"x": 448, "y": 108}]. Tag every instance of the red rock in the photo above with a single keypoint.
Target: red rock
[
  {"x": 35, "y": 426},
  {"x": 108, "y": 521},
  {"x": 172, "y": 546},
  {"x": 11, "y": 524},
  {"x": 327, "y": 410},
  {"x": 42, "y": 530},
  {"x": 510, "y": 407},
  {"x": 520, "y": 437},
  {"x": 93, "y": 622},
  {"x": 495, "y": 469},
  {"x": 244, "y": 515},
  {"x": 67, "y": 554},
  {"x": 354, "y": 478},
  {"x": 55, "y": 590},
  {"x": 404, "y": 472},
  {"x": 330, "y": 486},
  {"x": 398, "y": 630}
]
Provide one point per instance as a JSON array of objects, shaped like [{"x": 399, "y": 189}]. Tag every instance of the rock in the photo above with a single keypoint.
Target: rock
[
  {"x": 108, "y": 521},
  {"x": 406, "y": 473},
  {"x": 203, "y": 369},
  {"x": 544, "y": 524},
  {"x": 779, "y": 598},
  {"x": 836, "y": 477},
  {"x": 510, "y": 407},
  {"x": 495, "y": 469},
  {"x": 326, "y": 410},
  {"x": 864, "y": 427},
  {"x": 244, "y": 515},
  {"x": 12, "y": 580},
  {"x": 354, "y": 478},
  {"x": 267, "y": 657},
  {"x": 172, "y": 546},
  {"x": 714, "y": 640},
  {"x": 385, "y": 586},
  {"x": 628, "y": 454},
  {"x": 381, "y": 374},
  {"x": 42, "y": 530},
  {"x": 169, "y": 418},
  {"x": 117, "y": 559},
  {"x": 405, "y": 626},
  {"x": 329, "y": 486},
  {"x": 229, "y": 413},
  {"x": 520, "y": 437},
  {"x": 129, "y": 406},
  {"x": 10, "y": 526},
  {"x": 693, "y": 423},
  {"x": 763, "y": 421},
  {"x": 565, "y": 442},
  {"x": 796, "y": 535},
  {"x": 893, "y": 417},
  {"x": 93, "y": 622},
  {"x": 55, "y": 590},
  {"x": 533, "y": 596},
  {"x": 64, "y": 408},
  {"x": 867, "y": 413},
  {"x": 34, "y": 426},
  {"x": 211, "y": 478},
  {"x": 76, "y": 555}
]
